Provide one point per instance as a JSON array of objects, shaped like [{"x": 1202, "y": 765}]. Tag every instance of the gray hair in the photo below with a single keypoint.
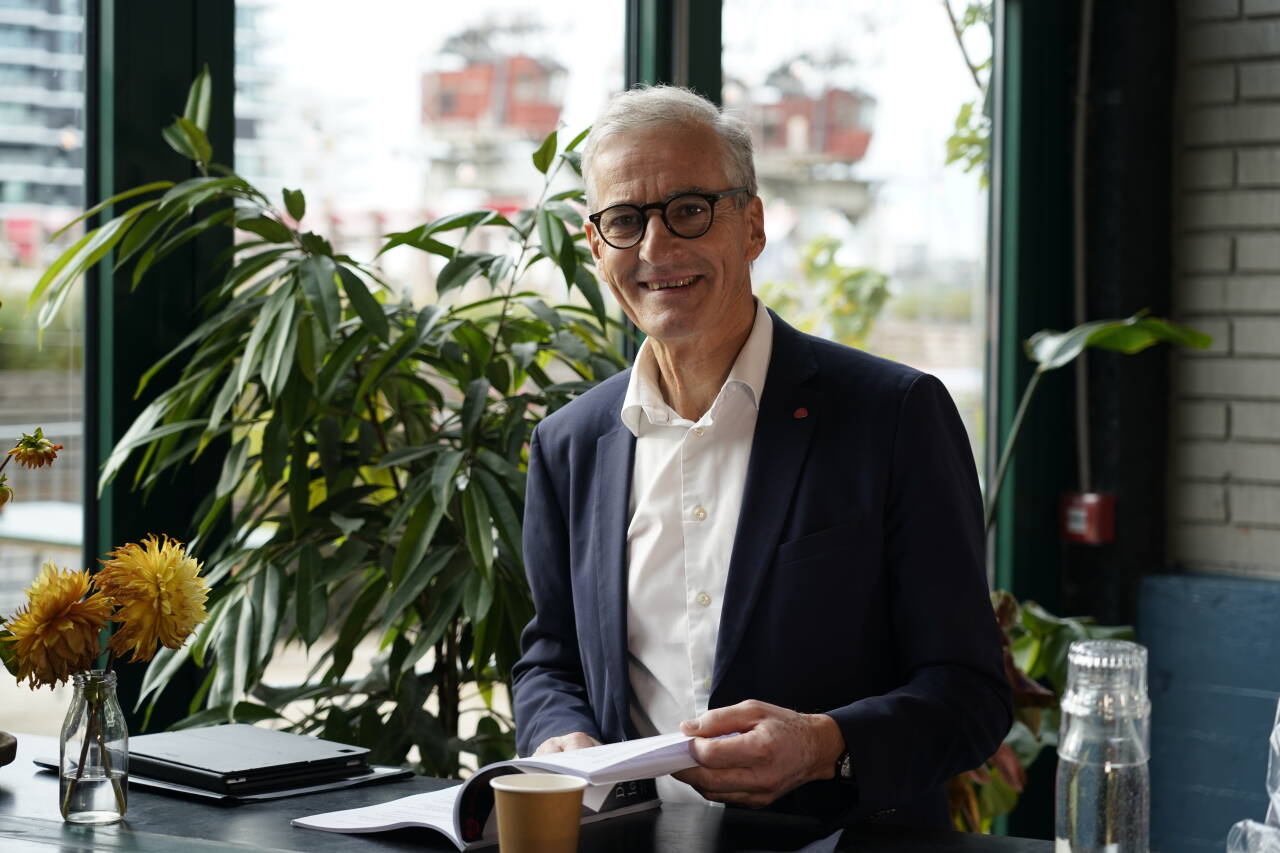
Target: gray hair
[{"x": 649, "y": 107}]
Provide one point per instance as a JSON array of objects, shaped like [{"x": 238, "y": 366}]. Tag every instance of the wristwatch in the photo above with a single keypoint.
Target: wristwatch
[{"x": 844, "y": 768}]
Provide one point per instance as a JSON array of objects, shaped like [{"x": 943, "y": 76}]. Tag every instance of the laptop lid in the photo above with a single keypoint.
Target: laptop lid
[{"x": 239, "y": 757}]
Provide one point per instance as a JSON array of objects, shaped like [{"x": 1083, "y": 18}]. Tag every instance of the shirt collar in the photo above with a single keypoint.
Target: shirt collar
[{"x": 644, "y": 399}]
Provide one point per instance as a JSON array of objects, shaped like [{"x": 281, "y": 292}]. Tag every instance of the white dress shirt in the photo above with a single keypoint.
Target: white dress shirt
[{"x": 686, "y": 495}]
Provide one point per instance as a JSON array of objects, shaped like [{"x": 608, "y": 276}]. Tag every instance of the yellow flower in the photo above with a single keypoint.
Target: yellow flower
[
  {"x": 56, "y": 633},
  {"x": 159, "y": 594},
  {"x": 35, "y": 451},
  {"x": 6, "y": 492}
]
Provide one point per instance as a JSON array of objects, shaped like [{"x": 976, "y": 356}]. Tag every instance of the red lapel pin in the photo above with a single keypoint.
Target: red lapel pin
[{"x": 799, "y": 413}]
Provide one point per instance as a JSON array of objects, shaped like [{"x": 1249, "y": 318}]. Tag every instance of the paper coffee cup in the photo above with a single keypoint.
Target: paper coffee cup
[{"x": 538, "y": 812}]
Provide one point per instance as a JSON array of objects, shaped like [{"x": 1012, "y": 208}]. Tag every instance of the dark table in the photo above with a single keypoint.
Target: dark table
[{"x": 160, "y": 823}]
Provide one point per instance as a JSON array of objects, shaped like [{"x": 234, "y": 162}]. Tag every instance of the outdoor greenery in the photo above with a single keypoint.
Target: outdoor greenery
[
  {"x": 970, "y": 141},
  {"x": 374, "y": 482},
  {"x": 835, "y": 301}
]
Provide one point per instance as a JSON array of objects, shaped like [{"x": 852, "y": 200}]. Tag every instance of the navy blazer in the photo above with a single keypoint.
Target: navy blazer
[{"x": 856, "y": 585}]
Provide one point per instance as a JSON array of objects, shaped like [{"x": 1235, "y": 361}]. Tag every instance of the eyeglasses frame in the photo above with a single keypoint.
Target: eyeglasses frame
[{"x": 661, "y": 206}]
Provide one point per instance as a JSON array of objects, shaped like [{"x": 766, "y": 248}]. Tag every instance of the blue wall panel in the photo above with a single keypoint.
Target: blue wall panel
[{"x": 1214, "y": 681}]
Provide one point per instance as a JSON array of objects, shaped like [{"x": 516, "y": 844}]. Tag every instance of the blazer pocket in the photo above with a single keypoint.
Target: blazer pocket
[{"x": 831, "y": 540}]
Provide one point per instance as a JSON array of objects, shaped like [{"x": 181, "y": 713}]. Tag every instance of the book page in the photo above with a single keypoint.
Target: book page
[
  {"x": 433, "y": 809},
  {"x": 620, "y": 762}
]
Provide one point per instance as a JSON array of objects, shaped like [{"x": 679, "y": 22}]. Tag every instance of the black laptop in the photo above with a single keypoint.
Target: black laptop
[{"x": 243, "y": 759}]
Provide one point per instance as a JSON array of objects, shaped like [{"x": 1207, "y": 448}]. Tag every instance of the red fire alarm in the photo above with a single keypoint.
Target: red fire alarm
[{"x": 1089, "y": 518}]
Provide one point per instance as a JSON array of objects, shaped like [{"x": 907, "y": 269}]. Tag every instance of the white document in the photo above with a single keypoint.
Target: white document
[{"x": 602, "y": 766}]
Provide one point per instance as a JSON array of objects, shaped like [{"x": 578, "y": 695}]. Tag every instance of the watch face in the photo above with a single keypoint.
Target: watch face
[{"x": 845, "y": 766}]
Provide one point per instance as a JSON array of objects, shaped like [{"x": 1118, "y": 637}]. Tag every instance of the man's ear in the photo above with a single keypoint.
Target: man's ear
[
  {"x": 755, "y": 228},
  {"x": 593, "y": 240}
]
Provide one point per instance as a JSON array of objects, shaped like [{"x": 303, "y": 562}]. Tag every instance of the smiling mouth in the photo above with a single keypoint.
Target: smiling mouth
[{"x": 669, "y": 283}]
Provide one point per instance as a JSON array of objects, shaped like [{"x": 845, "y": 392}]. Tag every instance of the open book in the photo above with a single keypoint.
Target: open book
[{"x": 619, "y": 778}]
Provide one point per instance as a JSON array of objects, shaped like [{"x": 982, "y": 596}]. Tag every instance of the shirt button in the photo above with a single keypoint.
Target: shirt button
[
  {"x": 698, "y": 431},
  {"x": 699, "y": 514},
  {"x": 704, "y": 599}
]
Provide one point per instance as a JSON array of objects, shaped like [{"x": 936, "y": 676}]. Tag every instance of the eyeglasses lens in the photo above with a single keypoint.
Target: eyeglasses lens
[{"x": 686, "y": 216}]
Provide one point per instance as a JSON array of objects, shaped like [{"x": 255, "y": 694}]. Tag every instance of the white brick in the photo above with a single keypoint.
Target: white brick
[
  {"x": 1241, "y": 293},
  {"x": 1232, "y": 209},
  {"x": 1217, "y": 328},
  {"x": 1207, "y": 10},
  {"x": 1200, "y": 420},
  {"x": 1226, "y": 550},
  {"x": 1259, "y": 167},
  {"x": 1199, "y": 502},
  {"x": 1258, "y": 252},
  {"x": 1255, "y": 505},
  {"x": 1210, "y": 84},
  {"x": 1204, "y": 253},
  {"x": 1219, "y": 460},
  {"x": 1262, "y": 7},
  {"x": 1233, "y": 40},
  {"x": 1229, "y": 377},
  {"x": 1255, "y": 420},
  {"x": 1206, "y": 169},
  {"x": 1230, "y": 125},
  {"x": 1260, "y": 80},
  {"x": 1257, "y": 336}
]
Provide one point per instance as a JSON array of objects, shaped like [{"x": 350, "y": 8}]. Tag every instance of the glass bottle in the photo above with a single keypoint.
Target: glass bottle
[
  {"x": 1103, "y": 790},
  {"x": 93, "y": 752}
]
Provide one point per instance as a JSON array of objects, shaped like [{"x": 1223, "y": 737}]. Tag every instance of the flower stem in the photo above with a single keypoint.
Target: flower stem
[{"x": 90, "y": 725}]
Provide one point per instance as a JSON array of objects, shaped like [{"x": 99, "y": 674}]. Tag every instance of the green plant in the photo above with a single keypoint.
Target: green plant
[
  {"x": 970, "y": 141},
  {"x": 1035, "y": 650},
  {"x": 849, "y": 299},
  {"x": 1050, "y": 350},
  {"x": 378, "y": 448},
  {"x": 1035, "y": 641}
]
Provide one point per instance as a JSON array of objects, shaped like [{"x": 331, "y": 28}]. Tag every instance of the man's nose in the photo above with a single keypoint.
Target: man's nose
[{"x": 656, "y": 239}]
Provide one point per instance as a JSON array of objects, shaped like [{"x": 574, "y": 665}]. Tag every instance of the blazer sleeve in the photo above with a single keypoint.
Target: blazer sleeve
[
  {"x": 954, "y": 707},
  {"x": 549, "y": 689}
]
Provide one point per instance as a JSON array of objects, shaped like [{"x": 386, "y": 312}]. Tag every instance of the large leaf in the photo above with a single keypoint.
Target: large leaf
[
  {"x": 546, "y": 153},
  {"x": 295, "y": 203},
  {"x": 310, "y": 602},
  {"x": 408, "y": 588},
  {"x": 199, "y": 100},
  {"x": 1051, "y": 350},
  {"x": 369, "y": 309},
  {"x": 154, "y": 186}
]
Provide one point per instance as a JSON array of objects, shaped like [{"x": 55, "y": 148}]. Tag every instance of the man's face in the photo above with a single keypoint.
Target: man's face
[{"x": 710, "y": 274}]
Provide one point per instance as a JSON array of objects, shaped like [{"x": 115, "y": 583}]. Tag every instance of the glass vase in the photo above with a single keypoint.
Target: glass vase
[{"x": 93, "y": 752}]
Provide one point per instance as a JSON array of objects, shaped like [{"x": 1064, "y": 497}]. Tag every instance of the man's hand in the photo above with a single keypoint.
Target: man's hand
[
  {"x": 564, "y": 743},
  {"x": 775, "y": 750}
]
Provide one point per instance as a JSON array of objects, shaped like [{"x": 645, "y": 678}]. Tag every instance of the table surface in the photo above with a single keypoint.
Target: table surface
[{"x": 161, "y": 823}]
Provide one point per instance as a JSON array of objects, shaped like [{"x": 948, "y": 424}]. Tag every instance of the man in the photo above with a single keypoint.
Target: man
[{"x": 753, "y": 531}]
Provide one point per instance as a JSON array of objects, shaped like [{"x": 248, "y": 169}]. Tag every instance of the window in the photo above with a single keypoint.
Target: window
[
  {"x": 873, "y": 239},
  {"x": 427, "y": 113},
  {"x": 41, "y": 189}
]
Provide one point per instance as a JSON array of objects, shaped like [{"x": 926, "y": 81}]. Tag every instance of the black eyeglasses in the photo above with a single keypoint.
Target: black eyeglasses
[{"x": 687, "y": 215}]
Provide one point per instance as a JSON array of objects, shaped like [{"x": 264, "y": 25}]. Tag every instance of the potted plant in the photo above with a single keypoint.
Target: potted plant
[{"x": 374, "y": 484}]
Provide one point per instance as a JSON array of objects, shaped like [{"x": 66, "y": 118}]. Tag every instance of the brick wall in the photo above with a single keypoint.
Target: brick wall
[{"x": 1224, "y": 504}]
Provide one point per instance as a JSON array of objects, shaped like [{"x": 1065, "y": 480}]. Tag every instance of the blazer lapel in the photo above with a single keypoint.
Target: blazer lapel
[
  {"x": 784, "y": 427},
  {"x": 615, "y": 452}
]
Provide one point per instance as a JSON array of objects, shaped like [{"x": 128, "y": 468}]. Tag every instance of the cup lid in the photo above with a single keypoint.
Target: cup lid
[{"x": 550, "y": 783}]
